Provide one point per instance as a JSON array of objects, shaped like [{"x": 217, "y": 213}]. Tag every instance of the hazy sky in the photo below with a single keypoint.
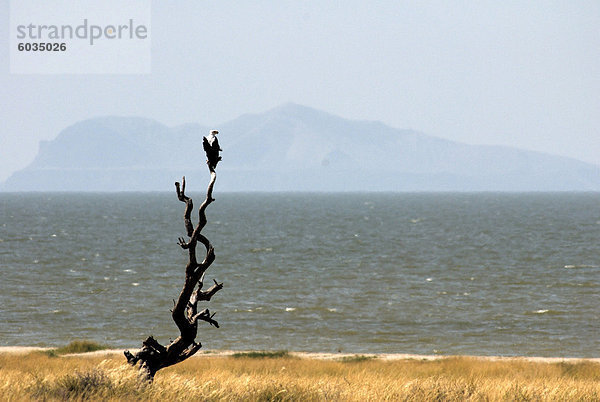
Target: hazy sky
[{"x": 518, "y": 73}]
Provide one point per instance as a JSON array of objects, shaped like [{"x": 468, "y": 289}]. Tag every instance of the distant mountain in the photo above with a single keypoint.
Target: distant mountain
[{"x": 288, "y": 148}]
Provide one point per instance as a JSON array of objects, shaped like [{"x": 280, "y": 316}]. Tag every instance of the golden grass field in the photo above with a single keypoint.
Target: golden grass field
[{"x": 50, "y": 376}]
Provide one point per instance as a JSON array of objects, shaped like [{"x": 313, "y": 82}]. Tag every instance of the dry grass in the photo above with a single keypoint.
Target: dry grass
[
  {"x": 79, "y": 346},
  {"x": 37, "y": 376}
]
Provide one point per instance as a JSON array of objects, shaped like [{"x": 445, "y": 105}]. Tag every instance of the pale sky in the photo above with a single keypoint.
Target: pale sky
[{"x": 518, "y": 73}]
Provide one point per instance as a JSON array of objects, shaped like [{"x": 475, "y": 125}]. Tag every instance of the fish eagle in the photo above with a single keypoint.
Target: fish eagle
[{"x": 212, "y": 149}]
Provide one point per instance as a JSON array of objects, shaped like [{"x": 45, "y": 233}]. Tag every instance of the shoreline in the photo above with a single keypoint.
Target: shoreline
[{"x": 324, "y": 356}]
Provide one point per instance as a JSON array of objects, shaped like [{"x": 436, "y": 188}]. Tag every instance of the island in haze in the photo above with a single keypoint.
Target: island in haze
[{"x": 289, "y": 148}]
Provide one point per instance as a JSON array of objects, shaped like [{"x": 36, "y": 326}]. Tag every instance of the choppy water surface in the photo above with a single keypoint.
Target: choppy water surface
[{"x": 489, "y": 274}]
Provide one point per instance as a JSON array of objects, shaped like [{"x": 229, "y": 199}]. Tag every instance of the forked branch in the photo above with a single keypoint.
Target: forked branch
[{"x": 153, "y": 356}]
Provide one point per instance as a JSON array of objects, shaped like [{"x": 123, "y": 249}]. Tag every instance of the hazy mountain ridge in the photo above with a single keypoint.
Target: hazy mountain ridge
[
  {"x": 114, "y": 142},
  {"x": 291, "y": 148}
]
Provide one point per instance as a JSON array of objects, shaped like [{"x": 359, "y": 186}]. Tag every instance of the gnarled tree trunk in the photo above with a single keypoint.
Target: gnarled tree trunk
[{"x": 153, "y": 356}]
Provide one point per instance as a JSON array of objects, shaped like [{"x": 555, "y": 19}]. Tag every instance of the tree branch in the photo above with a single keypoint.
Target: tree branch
[
  {"x": 205, "y": 315},
  {"x": 189, "y": 206},
  {"x": 209, "y": 293},
  {"x": 153, "y": 356}
]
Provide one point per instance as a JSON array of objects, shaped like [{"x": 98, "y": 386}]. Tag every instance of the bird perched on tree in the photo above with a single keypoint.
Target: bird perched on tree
[{"x": 212, "y": 149}]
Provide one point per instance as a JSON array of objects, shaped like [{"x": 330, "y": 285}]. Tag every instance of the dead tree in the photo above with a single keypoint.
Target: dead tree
[{"x": 153, "y": 356}]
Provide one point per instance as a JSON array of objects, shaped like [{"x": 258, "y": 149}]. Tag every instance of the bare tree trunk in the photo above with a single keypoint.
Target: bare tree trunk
[{"x": 153, "y": 356}]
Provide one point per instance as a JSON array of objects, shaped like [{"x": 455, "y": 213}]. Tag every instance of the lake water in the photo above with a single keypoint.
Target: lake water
[{"x": 484, "y": 274}]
